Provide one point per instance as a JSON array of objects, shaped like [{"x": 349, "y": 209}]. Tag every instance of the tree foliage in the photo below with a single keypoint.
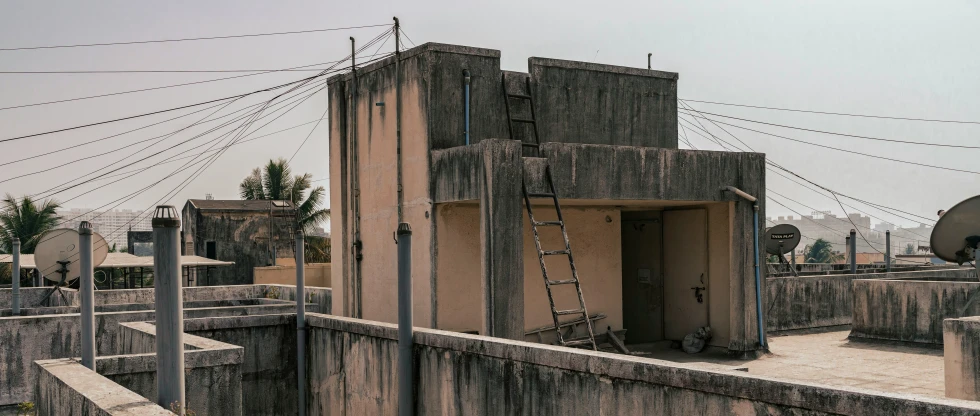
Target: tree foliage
[
  {"x": 821, "y": 251},
  {"x": 317, "y": 249},
  {"x": 275, "y": 181},
  {"x": 27, "y": 220}
]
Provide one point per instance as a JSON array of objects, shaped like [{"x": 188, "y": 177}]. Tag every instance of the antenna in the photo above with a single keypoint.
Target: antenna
[
  {"x": 57, "y": 254},
  {"x": 956, "y": 236},
  {"x": 781, "y": 239}
]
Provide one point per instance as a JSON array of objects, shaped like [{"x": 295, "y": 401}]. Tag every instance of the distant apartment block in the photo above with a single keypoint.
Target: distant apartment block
[
  {"x": 112, "y": 224},
  {"x": 835, "y": 229}
]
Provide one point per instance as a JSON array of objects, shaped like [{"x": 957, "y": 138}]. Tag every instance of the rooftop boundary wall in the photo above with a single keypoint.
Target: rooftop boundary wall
[
  {"x": 808, "y": 302},
  {"x": 961, "y": 357},
  {"x": 351, "y": 372},
  {"x": 909, "y": 310},
  {"x": 25, "y": 339}
]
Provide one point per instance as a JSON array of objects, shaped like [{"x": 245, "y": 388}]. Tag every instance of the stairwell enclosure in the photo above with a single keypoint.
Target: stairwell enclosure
[{"x": 609, "y": 135}]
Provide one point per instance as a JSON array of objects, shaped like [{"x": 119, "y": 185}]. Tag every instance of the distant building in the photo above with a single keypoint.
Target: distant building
[
  {"x": 238, "y": 231},
  {"x": 139, "y": 243},
  {"x": 112, "y": 224},
  {"x": 835, "y": 229}
]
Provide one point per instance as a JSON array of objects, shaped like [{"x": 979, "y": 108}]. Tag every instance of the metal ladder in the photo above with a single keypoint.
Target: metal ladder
[
  {"x": 548, "y": 283},
  {"x": 511, "y": 119}
]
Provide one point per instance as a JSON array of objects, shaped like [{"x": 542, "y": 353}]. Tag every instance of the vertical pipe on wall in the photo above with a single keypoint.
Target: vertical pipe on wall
[
  {"x": 87, "y": 292},
  {"x": 755, "y": 259},
  {"x": 398, "y": 117},
  {"x": 888, "y": 251},
  {"x": 15, "y": 276},
  {"x": 405, "y": 368},
  {"x": 169, "y": 301},
  {"x": 355, "y": 191},
  {"x": 300, "y": 323},
  {"x": 466, "y": 105},
  {"x": 853, "y": 249}
]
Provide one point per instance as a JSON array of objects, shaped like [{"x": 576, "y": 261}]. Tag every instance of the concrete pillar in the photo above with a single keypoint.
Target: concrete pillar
[
  {"x": 300, "y": 323},
  {"x": 15, "y": 277},
  {"x": 406, "y": 392},
  {"x": 169, "y": 308},
  {"x": 502, "y": 239},
  {"x": 87, "y": 294}
]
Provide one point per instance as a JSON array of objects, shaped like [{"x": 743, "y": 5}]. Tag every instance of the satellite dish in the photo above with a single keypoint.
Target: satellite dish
[
  {"x": 956, "y": 236},
  {"x": 781, "y": 239},
  {"x": 60, "y": 247}
]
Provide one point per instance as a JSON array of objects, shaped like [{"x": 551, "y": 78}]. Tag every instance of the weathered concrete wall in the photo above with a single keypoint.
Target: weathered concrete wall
[
  {"x": 961, "y": 357},
  {"x": 269, "y": 365},
  {"x": 580, "y": 102},
  {"x": 30, "y": 297},
  {"x": 827, "y": 300},
  {"x": 351, "y": 373},
  {"x": 911, "y": 311},
  {"x": 316, "y": 275},
  {"x": 213, "y": 369},
  {"x": 372, "y": 294},
  {"x": 26, "y": 339},
  {"x": 65, "y": 387},
  {"x": 318, "y": 299}
]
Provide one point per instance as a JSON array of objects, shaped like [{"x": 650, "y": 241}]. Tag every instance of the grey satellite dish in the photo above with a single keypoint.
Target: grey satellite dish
[
  {"x": 956, "y": 237},
  {"x": 782, "y": 239},
  {"x": 56, "y": 256}
]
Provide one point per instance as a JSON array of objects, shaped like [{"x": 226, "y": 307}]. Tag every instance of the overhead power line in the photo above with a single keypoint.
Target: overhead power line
[
  {"x": 856, "y": 136},
  {"x": 834, "y": 113},
  {"x": 843, "y": 150},
  {"x": 153, "y": 71},
  {"x": 140, "y": 42}
]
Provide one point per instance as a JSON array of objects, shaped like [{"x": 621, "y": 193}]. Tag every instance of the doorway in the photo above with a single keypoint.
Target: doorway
[
  {"x": 685, "y": 253},
  {"x": 643, "y": 283}
]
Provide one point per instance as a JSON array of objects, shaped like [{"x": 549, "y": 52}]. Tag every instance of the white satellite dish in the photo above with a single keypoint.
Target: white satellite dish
[
  {"x": 56, "y": 256},
  {"x": 956, "y": 236}
]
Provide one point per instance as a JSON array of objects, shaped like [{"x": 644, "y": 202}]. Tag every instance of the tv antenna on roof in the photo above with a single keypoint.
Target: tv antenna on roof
[
  {"x": 57, "y": 253},
  {"x": 781, "y": 239},
  {"x": 956, "y": 236}
]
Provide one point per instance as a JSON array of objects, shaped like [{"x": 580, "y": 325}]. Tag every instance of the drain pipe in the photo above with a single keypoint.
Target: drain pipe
[
  {"x": 406, "y": 404},
  {"x": 466, "y": 104},
  {"x": 15, "y": 282},
  {"x": 755, "y": 258},
  {"x": 301, "y": 322}
]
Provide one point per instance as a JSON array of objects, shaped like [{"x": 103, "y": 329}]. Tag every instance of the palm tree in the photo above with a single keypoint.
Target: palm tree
[
  {"x": 317, "y": 249},
  {"x": 821, "y": 251},
  {"x": 27, "y": 220},
  {"x": 274, "y": 181}
]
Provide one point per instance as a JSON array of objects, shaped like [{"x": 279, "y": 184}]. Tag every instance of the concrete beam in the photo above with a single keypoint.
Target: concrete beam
[{"x": 501, "y": 233}]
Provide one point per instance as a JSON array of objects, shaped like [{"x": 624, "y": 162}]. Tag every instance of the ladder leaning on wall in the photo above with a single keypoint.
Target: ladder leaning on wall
[{"x": 587, "y": 341}]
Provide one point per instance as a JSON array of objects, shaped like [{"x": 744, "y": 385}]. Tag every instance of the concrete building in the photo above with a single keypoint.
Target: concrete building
[
  {"x": 647, "y": 222},
  {"x": 834, "y": 229},
  {"x": 111, "y": 224},
  {"x": 249, "y": 233}
]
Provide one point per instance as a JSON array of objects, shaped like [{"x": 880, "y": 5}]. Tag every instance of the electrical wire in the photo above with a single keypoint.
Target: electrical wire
[
  {"x": 833, "y": 113},
  {"x": 406, "y": 36},
  {"x": 141, "y": 42}
]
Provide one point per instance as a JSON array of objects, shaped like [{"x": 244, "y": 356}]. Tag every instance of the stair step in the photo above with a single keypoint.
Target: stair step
[
  {"x": 561, "y": 282},
  {"x": 540, "y": 223},
  {"x": 569, "y": 311},
  {"x": 554, "y": 252}
]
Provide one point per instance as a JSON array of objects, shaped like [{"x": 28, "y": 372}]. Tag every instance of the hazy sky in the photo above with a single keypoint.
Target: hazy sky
[{"x": 909, "y": 59}]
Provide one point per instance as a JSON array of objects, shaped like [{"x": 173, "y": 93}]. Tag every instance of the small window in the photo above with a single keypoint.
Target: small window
[{"x": 212, "y": 250}]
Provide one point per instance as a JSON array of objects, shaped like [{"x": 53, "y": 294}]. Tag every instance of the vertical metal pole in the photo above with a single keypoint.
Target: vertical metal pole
[
  {"x": 300, "y": 324},
  {"x": 466, "y": 105},
  {"x": 406, "y": 405},
  {"x": 758, "y": 277},
  {"x": 15, "y": 276},
  {"x": 792, "y": 259},
  {"x": 169, "y": 308},
  {"x": 272, "y": 249},
  {"x": 853, "y": 249},
  {"x": 888, "y": 251},
  {"x": 649, "y": 65},
  {"x": 398, "y": 116},
  {"x": 356, "y": 190},
  {"x": 87, "y": 292}
]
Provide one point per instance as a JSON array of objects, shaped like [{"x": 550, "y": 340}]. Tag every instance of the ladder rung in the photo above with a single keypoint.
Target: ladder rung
[
  {"x": 569, "y": 311},
  {"x": 522, "y": 120},
  {"x": 547, "y": 223},
  {"x": 544, "y": 195},
  {"x": 524, "y": 96},
  {"x": 561, "y": 282},
  {"x": 553, "y": 252},
  {"x": 579, "y": 341}
]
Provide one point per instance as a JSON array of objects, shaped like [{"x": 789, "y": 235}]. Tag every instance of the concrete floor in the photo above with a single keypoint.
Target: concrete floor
[{"x": 829, "y": 358}]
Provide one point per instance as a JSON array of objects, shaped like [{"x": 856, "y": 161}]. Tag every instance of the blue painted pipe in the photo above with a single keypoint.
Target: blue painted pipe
[{"x": 466, "y": 105}]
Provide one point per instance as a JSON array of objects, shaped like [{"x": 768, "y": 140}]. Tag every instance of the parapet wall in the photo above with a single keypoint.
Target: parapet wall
[
  {"x": 909, "y": 310},
  {"x": 352, "y": 371}
]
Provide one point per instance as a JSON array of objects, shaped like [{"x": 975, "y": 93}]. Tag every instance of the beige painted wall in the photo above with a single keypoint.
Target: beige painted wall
[
  {"x": 377, "y": 164},
  {"x": 719, "y": 272},
  {"x": 316, "y": 274},
  {"x": 595, "y": 244}
]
